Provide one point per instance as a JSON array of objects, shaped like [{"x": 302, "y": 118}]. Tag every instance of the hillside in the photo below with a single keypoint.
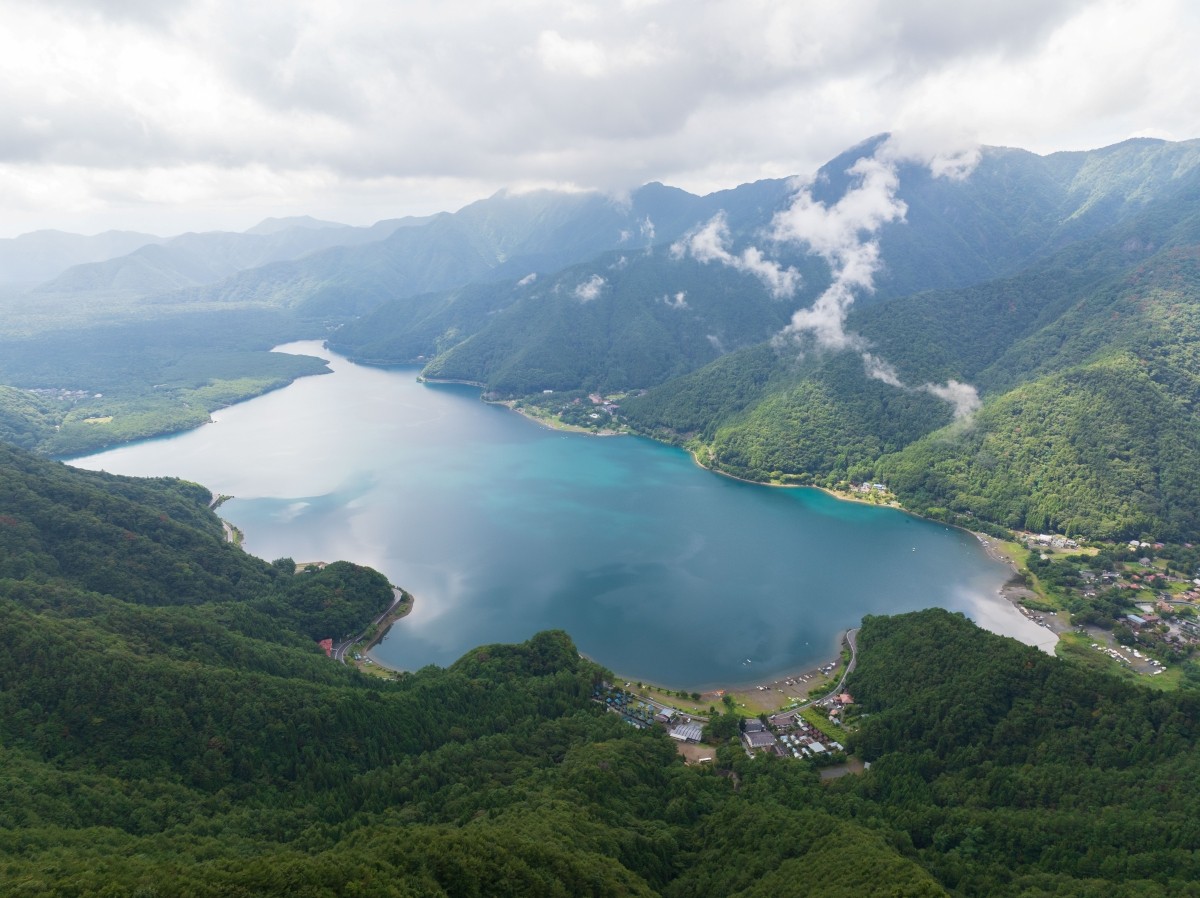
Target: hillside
[
  {"x": 1084, "y": 362},
  {"x": 1032, "y": 273},
  {"x": 168, "y": 724},
  {"x": 81, "y": 389},
  {"x": 192, "y": 260},
  {"x": 1013, "y": 210}
]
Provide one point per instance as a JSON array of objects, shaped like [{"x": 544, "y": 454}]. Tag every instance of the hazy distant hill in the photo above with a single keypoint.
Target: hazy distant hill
[
  {"x": 40, "y": 255},
  {"x": 191, "y": 260},
  {"x": 506, "y": 236}
]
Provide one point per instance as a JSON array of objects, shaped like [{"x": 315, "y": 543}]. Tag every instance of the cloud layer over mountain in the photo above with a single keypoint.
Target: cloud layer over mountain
[{"x": 121, "y": 113}]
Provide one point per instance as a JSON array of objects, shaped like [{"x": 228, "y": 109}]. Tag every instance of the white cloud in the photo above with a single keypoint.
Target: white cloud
[
  {"x": 590, "y": 289},
  {"x": 843, "y": 235},
  {"x": 528, "y": 279},
  {"x": 678, "y": 301},
  {"x": 964, "y": 397},
  {"x": 879, "y": 369},
  {"x": 708, "y": 244},
  {"x": 422, "y": 106}
]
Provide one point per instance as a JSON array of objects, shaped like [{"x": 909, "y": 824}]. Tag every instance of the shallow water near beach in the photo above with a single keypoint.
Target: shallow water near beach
[{"x": 501, "y": 528}]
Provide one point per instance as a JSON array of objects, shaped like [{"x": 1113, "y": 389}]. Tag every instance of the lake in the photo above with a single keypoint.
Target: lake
[{"x": 500, "y": 528}]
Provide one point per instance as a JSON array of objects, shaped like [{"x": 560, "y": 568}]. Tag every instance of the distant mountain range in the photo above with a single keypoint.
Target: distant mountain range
[{"x": 919, "y": 321}]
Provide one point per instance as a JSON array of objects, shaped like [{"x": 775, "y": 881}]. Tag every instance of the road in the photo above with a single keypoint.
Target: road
[
  {"x": 852, "y": 641},
  {"x": 339, "y": 650}
]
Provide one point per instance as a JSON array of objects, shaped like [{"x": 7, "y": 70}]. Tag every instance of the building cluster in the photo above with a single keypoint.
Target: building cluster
[
  {"x": 786, "y": 734},
  {"x": 868, "y": 488},
  {"x": 1049, "y": 541},
  {"x": 64, "y": 395}
]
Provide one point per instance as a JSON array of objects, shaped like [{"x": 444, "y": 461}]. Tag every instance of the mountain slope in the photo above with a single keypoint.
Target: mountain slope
[
  {"x": 617, "y": 323},
  {"x": 191, "y": 260},
  {"x": 1014, "y": 209},
  {"x": 41, "y": 255},
  {"x": 1113, "y": 316}
]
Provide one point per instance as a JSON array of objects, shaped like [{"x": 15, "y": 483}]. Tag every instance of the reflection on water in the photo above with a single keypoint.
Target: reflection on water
[{"x": 501, "y": 528}]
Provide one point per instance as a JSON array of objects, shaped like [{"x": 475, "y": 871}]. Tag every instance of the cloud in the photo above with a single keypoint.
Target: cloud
[
  {"x": 590, "y": 289},
  {"x": 964, "y": 397},
  {"x": 878, "y": 369},
  {"x": 528, "y": 279},
  {"x": 842, "y": 235},
  {"x": 845, "y": 235},
  {"x": 708, "y": 244},
  {"x": 678, "y": 301},
  {"x": 344, "y": 101}
]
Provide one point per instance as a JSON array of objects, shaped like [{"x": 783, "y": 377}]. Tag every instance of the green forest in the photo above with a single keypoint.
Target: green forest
[
  {"x": 168, "y": 726},
  {"x": 77, "y": 390},
  {"x": 1085, "y": 363}
]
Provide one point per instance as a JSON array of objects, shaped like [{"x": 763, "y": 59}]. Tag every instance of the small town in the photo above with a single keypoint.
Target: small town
[
  {"x": 814, "y": 732},
  {"x": 1133, "y": 604}
]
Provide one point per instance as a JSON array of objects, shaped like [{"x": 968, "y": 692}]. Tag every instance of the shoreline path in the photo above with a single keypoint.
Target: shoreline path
[{"x": 339, "y": 650}]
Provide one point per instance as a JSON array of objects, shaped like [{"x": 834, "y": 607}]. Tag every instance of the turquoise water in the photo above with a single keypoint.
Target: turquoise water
[{"x": 500, "y": 528}]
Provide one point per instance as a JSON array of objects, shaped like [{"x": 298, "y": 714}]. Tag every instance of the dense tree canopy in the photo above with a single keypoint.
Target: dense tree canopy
[{"x": 177, "y": 730}]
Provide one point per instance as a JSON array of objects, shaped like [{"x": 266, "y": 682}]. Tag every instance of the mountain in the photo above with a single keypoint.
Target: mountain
[
  {"x": 1084, "y": 362},
  {"x": 1014, "y": 209},
  {"x": 41, "y": 255},
  {"x": 168, "y": 723},
  {"x": 191, "y": 260},
  {"x": 275, "y": 225},
  {"x": 505, "y": 237},
  {"x": 615, "y": 323},
  {"x": 1035, "y": 273}
]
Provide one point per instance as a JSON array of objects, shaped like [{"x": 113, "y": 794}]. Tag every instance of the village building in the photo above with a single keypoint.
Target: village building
[
  {"x": 758, "y": 740},
  {"x": 688, "y": 732}
]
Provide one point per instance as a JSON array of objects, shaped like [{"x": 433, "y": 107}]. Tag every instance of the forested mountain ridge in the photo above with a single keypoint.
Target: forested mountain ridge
[
  {"x": 1017, "y": 266},
  {"x": 1013, "y": 209},
  {"x": 175, "y": 729},
  {"x": 1085, "y": 363}
]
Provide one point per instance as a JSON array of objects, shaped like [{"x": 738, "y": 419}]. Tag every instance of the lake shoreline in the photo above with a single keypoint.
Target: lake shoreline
[{"x": 716, "y": 554}]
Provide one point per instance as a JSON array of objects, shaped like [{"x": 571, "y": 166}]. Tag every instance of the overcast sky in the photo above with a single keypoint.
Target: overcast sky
[{"x": 169, "y": 116}]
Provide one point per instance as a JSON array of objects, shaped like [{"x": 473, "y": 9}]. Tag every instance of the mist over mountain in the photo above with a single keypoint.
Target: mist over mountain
[
  {"x": 890, "y": 295},
  {"x": 1007, "y": 341},
  {"x": 191, "y": 260},
  {"x": 32, "y": 258}
]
